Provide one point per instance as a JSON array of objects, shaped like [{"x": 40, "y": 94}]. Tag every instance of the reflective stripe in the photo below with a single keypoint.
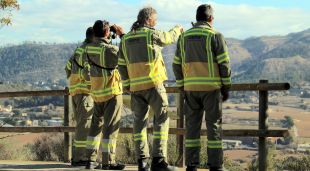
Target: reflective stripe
[
  {"x": 215, "y": 144},
  {"x": 121, "y": 61},
  {"x": 79, "y": 86},
  {"x": 226, "y": 81},
  {"x": 79, "y": 144},
  {"x": 190, "y": 143},
  {"x": 105, "y": 92},
  {"x": 79, "y": 51},
  {"x": 210, "y": 55},
  {"x": 180, "y": 83},
  {"x": 69, "y": 64},
  {"x": 223, "y": 58},
  {"x": 140, "y": 136},
  {"x": 195, "y": 30},
  {"x": 108, "y": 144},
  {"x": 177, "y": 60},
  {"x": 202, "y": 80},
  {"x": 93, "y": 50},
  {"x": 92, "y": 142},
  {"x": 182, "y": 49},
  {"x": 125, "y": 82},
  {"x": 160, "y": 135}
]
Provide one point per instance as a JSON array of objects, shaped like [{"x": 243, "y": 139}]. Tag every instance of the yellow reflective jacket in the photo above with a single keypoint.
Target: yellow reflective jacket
[
  {"x": 201, "y": 62},
  {"x": 78, "y": 83},
  {"x": 140, "y": 61},
  {"x": 104, "y": 76}
]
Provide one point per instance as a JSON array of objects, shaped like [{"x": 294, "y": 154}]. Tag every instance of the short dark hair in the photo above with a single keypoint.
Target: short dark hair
[
  {"x": 89, "y": 33},
  {"x": 204, "y": 12},
  {"x": 100, "y": 27}
]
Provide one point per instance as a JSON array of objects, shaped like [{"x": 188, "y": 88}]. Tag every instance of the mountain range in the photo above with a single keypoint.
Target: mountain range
[{"x": 276, "y": 58}]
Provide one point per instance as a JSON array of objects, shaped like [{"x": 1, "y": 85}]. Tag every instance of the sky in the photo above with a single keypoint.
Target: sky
[{"x": 65, "y": 21}]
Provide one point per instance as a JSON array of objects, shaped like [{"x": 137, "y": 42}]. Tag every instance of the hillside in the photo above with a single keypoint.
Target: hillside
[{"x": 277, "y": 58}]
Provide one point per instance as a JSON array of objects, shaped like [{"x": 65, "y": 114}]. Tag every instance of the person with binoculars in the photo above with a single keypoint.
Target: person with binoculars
[{"x": 106, "y": 90}]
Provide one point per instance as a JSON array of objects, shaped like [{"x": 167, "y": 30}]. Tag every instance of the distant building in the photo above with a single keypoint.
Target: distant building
[
  {"x": 227, "y": 144},
  {"x": 8, "y": 108},
  {"x": 303, "y": 147}
]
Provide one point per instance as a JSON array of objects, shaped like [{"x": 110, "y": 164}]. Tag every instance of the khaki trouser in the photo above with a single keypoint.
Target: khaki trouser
[
  {"x": 141, "y": 101},
  {"x": 83, "y": 109},
  {"x": 105, "y": 119},
  {"x": 196, "y": 103}
]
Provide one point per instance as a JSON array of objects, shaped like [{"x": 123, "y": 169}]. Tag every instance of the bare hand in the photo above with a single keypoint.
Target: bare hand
[
  {"x": 181, "y": 28},
  {"x": 119, "y": 30}
]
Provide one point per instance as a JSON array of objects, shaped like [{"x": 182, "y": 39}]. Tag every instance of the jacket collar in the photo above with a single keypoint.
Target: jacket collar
[
  {"x": 203, "y": 24},
  {"x": 102, "y": 40}
]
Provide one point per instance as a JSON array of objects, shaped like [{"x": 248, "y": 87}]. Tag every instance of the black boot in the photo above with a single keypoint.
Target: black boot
[
  {"x": 92, "y": 165},
  {"x": 113, "y": 167},
  {"x": 159, "y": 164},
  {"x": 78, "y": 163},
  {"x": 191, "y": 168},
  {"x": 216, "y": 169},
  {"x": 143, "y": 164}
]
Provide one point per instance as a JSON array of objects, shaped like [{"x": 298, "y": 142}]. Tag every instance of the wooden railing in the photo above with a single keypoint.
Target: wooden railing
[{"x": 262, "y": 132}]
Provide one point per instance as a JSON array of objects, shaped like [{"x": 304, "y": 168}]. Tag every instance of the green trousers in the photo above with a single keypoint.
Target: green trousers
[
  {"x": 196, "y": 103},
  {"x": 83, "y": 109},
  {"x": 105, "y": 120},
  {"x": 141, "y": 101}
]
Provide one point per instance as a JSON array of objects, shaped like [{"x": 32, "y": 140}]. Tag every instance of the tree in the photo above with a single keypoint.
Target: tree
[
  {"x": 6, "y": 8},
  {"x": 288, "y": 122}
]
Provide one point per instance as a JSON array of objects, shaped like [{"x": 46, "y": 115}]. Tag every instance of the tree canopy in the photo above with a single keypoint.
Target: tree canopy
[{"x": 6, "y": 8}]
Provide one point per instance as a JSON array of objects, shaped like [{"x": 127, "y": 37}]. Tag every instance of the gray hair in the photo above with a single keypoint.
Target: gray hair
[{"x": 143, "y": 16}]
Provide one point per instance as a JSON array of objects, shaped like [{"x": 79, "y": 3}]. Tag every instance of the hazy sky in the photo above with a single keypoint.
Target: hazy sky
[{"x": 66, "y": 20}]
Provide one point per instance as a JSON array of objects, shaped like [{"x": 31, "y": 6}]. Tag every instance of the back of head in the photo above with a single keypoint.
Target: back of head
[
  {"x": 89, "y": 34},
  {"x": 204, "y": 12},
  {"x": 143, "y": 16},
  {"x": 100, "y": 27}
]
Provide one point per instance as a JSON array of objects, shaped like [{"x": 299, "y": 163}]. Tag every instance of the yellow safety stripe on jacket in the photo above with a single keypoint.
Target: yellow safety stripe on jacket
[
  {"x": 160, "y": 135},
  {"x": 202, "y": 80},
  {"x": 222, "y": 58},
  {"x": 125, "y": 82},
  {"x": 226, "y": 81},
  {"x": 121, "y": 61},
  {"x": 69, "y": 65},
  {"x": 180, "y": 83},
  {"x": 176, "y": 60},
  {"x": 79, "y": 86},
  {"x": 106, "y": 92},
  {"x": 192, "y": 143},
  {"x": 215, "y": 144}
]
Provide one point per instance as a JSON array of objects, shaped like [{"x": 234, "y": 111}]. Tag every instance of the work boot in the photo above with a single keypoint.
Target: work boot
[
  {"x": 143, "y": 164},
  {"x": 191, "y": 168},
  {"x": 217, "y": 169},
  {"x": 159, "y": 164},
  {"x": 92, "y": 165},
  {"x": 78, "y": 163},
  {"x": 113, "y": 166}
]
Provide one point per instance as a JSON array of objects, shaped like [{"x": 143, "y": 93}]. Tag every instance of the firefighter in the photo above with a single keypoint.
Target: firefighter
[
  {"x": 202, "y": 69},
  {"x": 106, "y": 90},
  {"x": 143, "y": 71},
  {"x": 82, "y": 103}
]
